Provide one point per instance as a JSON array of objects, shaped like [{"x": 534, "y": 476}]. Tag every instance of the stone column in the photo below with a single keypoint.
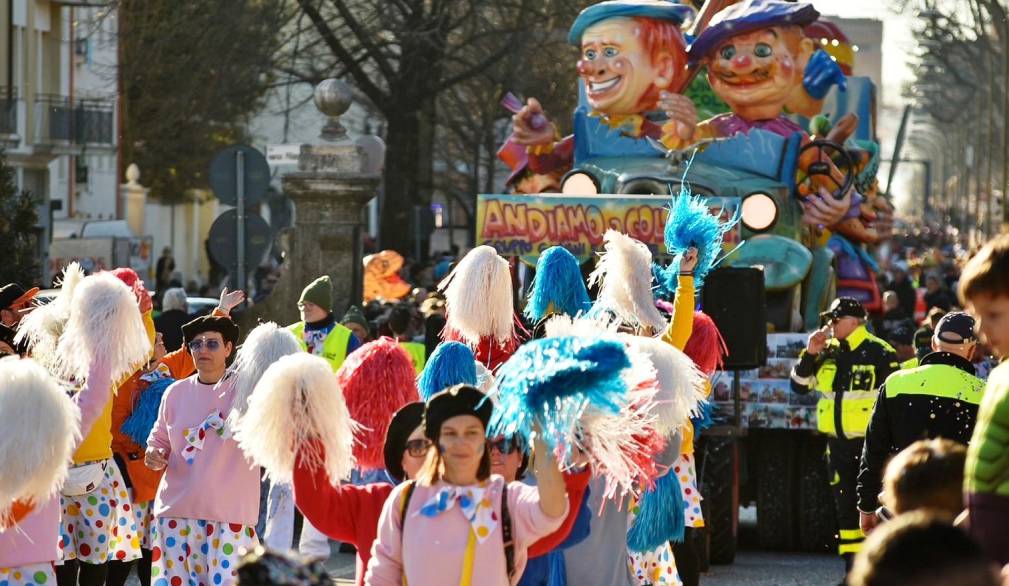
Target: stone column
[{"x": 330, "y": 191}]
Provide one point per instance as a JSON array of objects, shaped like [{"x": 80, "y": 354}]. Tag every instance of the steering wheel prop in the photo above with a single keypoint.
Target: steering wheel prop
[{"x": 825, "y": 164}]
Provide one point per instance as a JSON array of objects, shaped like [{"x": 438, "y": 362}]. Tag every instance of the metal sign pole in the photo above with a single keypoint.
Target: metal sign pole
[{"x": 240, "y": 188}]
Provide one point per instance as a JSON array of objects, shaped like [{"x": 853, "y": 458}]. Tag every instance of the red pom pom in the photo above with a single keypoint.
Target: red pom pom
[
  {"x": 706, "y": 346},
  {"x": 134, "y": 282},
  {"x": 377, "y": 379}
]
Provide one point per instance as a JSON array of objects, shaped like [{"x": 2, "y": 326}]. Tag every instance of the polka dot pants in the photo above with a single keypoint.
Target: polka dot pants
[
  {"x": 30, "y": 575},
  {"x": 654, "y": 568},
  {"x": 197, "y": 553},
  {"x": 100, "y": 526},
  {"x": 685, "y": 469}
]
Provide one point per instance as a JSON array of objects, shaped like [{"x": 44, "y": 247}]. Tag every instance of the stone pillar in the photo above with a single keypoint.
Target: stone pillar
[
  {"x": 330, "y": 191},
  {"x": 134, "y": 199}
]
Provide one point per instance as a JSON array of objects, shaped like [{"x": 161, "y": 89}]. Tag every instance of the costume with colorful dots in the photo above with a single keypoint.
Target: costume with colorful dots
[
  {"x": 652, "y": 568},
  {"x": 101, "y": 525},
  {"x": 30, "y": 575},
  {"x": 198, "y": 553},
  {"x": 685, "y": 468}
]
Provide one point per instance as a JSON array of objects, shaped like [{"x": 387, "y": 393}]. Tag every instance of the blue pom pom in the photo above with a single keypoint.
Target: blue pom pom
[
  {"x": 140, "y": 423},
  {"x": 552, "y": 381},
  {"x": 690, "y": 223},
  {"x": 660, "y": 516},
  {"x": 705, "y": 418},
  {"x": 450, "y": 364},
  {"x": 558, "y": 286}
]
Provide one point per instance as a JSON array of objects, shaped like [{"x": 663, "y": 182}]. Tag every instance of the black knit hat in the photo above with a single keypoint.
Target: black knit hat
[
  {"x": 408, "y": 418},
  {"x": 453, "y": 401}
]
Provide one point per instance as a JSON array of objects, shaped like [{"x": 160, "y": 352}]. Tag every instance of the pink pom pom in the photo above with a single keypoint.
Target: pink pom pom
[
  {"x": 377, "y": 379},
  {"x": 706, "y": 346}
]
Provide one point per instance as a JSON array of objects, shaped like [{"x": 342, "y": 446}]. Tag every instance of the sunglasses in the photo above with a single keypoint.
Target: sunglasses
[
  {"x": 417, "y": 447},
  {"x": 212, "y": 345},
  {"x": 505, "y": 446}
]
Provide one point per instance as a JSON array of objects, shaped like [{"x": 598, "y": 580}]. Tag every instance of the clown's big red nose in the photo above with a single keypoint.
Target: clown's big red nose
[{"x": 741, "y": 61}]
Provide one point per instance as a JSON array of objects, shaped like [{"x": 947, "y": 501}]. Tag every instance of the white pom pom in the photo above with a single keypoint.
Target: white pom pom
[
  {"x": 478, "y": 297},
  {"x": 624, "y": 275},
  {"x": 297, "y": 400},
  {"x": 43, "y": 327},
  {"x": 680, "y": 383},
  {"x": 41, "y": 426},
  {"x": 104, "y": 324},
  {"x": 265, "y": 345}
]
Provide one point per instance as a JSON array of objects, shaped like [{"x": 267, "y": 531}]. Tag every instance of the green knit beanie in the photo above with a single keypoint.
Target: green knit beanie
[
  {"x": 354, "y": 315},
  {"x": 319, "y": 292}
]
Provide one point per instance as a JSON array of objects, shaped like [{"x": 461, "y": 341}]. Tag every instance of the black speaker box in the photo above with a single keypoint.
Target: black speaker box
[{"x": 734, "y": 298}]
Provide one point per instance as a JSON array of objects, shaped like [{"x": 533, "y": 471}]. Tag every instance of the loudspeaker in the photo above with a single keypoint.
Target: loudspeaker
[{"x": 734, "y": 298}]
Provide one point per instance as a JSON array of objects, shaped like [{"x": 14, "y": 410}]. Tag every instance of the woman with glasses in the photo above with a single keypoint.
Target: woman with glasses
[
  {"x": 207, "y": 503},
  {"x": 350, "y": 513},
  {"x": 456, "y": 523}
]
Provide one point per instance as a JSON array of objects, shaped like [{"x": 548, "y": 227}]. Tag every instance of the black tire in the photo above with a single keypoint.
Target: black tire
[
  {"x": 815, "y": 505},
  {"x": 719, "y": 477},
  {"x": 776, "y": 489}
]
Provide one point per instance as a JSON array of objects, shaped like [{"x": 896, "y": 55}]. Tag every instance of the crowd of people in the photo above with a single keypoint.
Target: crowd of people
[{"x": 448, "y": 438}]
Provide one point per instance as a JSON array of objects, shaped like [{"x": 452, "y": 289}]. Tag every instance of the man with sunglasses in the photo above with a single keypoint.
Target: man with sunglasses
[{"x": 846, "y": 364}]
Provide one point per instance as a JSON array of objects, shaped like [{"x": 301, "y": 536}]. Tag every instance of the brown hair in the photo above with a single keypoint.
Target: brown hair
[
  {"x": 433, "y": 469},
  {"x": 928, "y": 474},
  {"x": 987, "y": 272},
  {"x": 919, "y": 549}
]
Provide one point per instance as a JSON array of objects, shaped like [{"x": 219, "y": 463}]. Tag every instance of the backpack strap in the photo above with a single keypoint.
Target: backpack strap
[{"x": 506, "y": 533}]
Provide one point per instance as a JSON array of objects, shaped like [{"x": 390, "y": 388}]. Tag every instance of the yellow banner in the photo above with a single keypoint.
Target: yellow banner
[{"x": 526, "y": 225}]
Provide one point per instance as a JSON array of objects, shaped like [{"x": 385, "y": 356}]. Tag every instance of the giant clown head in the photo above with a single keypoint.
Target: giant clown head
[
  {"x": 631, "y": 50},
  {"x": 756, "y": 53}
]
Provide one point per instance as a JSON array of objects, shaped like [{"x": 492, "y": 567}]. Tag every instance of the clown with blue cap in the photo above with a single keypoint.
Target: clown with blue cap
[{"x": 632, "y": 53}]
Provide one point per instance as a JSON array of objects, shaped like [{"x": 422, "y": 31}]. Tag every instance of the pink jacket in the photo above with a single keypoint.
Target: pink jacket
[
  {"x": 35, "y": 539},
  {"x": 220, "y": 484},
  {"x": 431, "y": 549}
]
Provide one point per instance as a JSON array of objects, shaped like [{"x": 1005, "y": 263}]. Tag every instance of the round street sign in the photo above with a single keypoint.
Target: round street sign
[
  {"x": 224, "y": 175},
  {"x": 223, "y": 240}
]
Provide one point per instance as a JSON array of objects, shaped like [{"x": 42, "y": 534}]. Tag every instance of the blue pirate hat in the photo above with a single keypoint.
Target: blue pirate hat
[
  {"x": 747, "y": 16},
  {"x": 661, "y": 9}
]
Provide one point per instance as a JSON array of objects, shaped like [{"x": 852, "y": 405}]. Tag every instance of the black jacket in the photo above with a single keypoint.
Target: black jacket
[{"x": 937, "y": 399}]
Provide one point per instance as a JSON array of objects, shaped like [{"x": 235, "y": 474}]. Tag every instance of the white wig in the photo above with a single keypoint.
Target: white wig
[
  {"x": 265, "y": 345},
  {"x": 42, "y": 328},
  {"x": 624, "y": 276},
  {"x": 478, "y": 298}
]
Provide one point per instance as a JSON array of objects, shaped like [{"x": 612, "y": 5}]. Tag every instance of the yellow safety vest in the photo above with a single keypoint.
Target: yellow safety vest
[
  {"x": 417, "y": 352},
  {"x": 858, "y": 399},
  {"x": 334, "y": 348}
]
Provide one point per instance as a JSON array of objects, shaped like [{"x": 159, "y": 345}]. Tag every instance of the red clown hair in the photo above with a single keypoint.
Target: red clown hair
[
  {"x": 377, "y": 379},
  {"x": 706, "y": 347},
  {"x": 134, "y": 282},
  {"x": 657, "y": 37}
]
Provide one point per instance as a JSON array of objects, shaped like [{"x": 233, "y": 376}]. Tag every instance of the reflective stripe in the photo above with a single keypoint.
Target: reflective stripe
[
  {"x": 806, "y": 381},
  {"x": 851, "y": 534},
  {"x": 849, "y": 548},
  {"x": 937, "y": 380}
]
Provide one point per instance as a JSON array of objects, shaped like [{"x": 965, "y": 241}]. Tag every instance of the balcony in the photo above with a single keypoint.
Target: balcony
[
  {"x": 8, "y": 115},
  {"x": 83, "y": 123}
]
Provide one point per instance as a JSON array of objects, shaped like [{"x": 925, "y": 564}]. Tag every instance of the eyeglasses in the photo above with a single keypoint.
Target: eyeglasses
[
  {"x": 418, "y": 447},
  {"x": 505, "y": 445},
  {"x": 197, "y": 345}
]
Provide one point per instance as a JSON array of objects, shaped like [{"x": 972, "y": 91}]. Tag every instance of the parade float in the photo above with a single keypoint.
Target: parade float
[{"x": 788, "y": 147}]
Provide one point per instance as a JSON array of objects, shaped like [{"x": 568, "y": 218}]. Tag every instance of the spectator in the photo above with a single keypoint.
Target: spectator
[
  {"x": 399, "y": 322},
  {"x": 174, "y": 315},
  {"x": 928, "y": 474},
  {"x": 163, "y": 271},
  {"x": 902, "y": 340},
  {"x": 355, "y": 321},
  {"x": 923, "y": 336},
  {"x": 433, "y": 310},
  {"x": 936, "y": 295},
  {"x": 893, "y": 315},
  {"x": 922, "y": 550},
  {"x": 901, "y": 285}
]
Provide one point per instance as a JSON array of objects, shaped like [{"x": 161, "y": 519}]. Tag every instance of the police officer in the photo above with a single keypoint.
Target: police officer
[
  {"x": 846, "y": 367},
  {"x": 940, "y": 398}
]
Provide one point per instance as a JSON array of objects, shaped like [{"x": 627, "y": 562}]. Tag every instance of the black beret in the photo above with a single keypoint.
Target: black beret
[{"x": 453, "y": 401}]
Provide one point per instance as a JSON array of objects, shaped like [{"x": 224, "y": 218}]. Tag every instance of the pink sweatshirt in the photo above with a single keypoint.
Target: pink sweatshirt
[
  {"x": 431, "y": 550},
  {"x": 35, "y": 539},
  {"x": 221, "y": 484}
]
